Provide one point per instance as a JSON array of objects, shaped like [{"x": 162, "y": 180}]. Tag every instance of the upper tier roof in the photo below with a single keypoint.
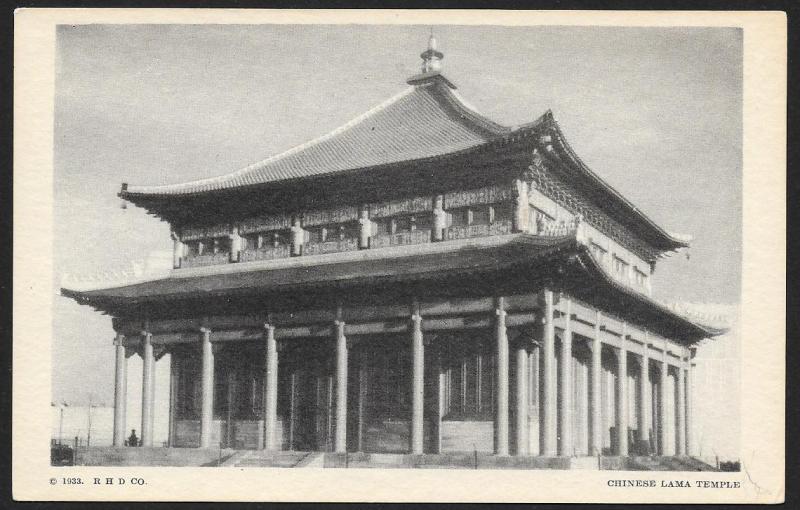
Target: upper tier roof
[{"x": 427, "y": 119}]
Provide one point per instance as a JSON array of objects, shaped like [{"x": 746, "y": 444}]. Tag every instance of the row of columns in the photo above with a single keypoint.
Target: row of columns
[{"x": 557, "y": 401}]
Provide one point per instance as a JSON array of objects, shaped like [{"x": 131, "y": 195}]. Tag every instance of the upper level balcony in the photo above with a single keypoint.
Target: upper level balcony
[
  {"x": 491, "y": 211},
  {"x": 251, "y": 252},
  {"x": 206, "y": 259},
  {"x": 333, "y": 246},
  {"x": 480, "y": 230},
  {"x": 419, "y": 225},
  {"x": 265, "y": 253},
  {"x": 400, "y": 238}
]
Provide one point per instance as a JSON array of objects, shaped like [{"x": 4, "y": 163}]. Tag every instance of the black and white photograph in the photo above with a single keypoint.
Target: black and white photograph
[{"x": 422, "y": 246}]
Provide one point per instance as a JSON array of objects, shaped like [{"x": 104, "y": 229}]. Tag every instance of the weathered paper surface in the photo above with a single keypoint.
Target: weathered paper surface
[{"x": 763, "y": 283}]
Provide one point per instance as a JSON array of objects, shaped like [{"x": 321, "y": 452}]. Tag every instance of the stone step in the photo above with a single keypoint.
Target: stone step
[
  {"x": 696, "y": 464},
  {"x": 668, "y": 463},
  {"x": 272, "y": 459}
]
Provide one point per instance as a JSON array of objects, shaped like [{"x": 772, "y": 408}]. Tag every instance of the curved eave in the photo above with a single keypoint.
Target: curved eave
[
  {"x": 159, "y": 204},
  {"x": 467, "y": 113},
  {"x": 139, "y": 197},
  {"x": 665, "y": 240},
  {"x": 430, "y": 263},
  {"x": 692, "y": 330},
  {"x": 447, "y": 127},
  {"x": 514, "y": 251}
]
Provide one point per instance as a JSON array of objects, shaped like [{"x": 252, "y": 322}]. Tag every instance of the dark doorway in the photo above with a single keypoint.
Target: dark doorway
[{"x": 307, "y": 384}]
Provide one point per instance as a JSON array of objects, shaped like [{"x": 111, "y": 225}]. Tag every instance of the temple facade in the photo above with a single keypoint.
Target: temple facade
[{"x": 421, "y": 280}]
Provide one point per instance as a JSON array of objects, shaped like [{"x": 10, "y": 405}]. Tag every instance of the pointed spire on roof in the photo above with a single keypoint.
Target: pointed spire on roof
[
  {"x": 431, "y": 66},
  {"x": 431, "y": 58}
]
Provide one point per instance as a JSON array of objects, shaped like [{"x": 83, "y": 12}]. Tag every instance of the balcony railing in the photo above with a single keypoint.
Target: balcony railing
[
  {"x": 467, "y": 231},
  {"x": 207, "y": 259},
  {"x": 415, "y": 237},
  {"x": 266, "y": 253},
  {"x": 330, "y": 246},
  {"x": 557, "y": 229},
  {"x": 548, "y": 229},
  {"x": 422, "y": 236}
]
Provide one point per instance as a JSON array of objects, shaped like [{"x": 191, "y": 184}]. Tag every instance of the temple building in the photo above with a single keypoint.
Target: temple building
[{"x": 421, "y": 280}]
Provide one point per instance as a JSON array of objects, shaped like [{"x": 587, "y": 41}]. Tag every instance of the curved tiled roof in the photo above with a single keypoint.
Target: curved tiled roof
[
  {"x": 427, "y": 119},
  {"x": 425, "y": 260},
  {"x": 379, "y": 267}
]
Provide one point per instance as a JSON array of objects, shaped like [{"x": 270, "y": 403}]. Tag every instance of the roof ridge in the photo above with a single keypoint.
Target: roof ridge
[
  {"x": 680, "y": 242},
  {"x": 288, "y": 152},
  {"x": 469, "y": 112},
  {"x": 425, "y": 120}
]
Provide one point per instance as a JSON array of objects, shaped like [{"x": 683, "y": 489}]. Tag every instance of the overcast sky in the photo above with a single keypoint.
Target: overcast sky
[{"x": 655, "y": 111}]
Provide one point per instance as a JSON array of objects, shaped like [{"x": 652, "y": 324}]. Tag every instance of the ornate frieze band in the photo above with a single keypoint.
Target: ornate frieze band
[
  {"x": 486, "y": 195},
  {"x": 404, "y": 206},
  {"x": 330, "y": 247},
  {"x": 468, "y": 231},
  {"x": 264, "y": 223},
  {"x": 323, "y": 217},
  {"x": 194, "y": 233},
  {"x": 441, "y": 316}
]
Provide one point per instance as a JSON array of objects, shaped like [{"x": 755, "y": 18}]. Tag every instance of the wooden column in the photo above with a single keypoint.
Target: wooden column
[
  {"x": 362, "y": 392},
  {"x": 662, "y": 394},
  {"x": 230, "y": 384},
  {"x": 365, "y": 228},
  {"x": 148, "y": 379},
  {"x": 417, "y": 381},
  {"x": 440, "y": 394},
  {"x": 298, "y": 236},
  {"x": 439, "y": 218},
  {"x": 178, "y": 250},
  {"x": 207, "y": 388},
  {"x": 271, "y": 394},
  {"x": 521, "y": 206},
  {"x": 522, "y": 425},
  {"x": 549, "y": 394},
  {"x": 596, "y": 373},
  {"x": 120, "y": 389},
  {"x": 534, "y": 410},
  {"x": 236, "y": 243},
  {"x": 580, "y": 438},
  {"x": 681, "y": 412},
  {"x": 501, "y": 416},
  {"x": 690, "y": 446},
  {"x": 340, "y": 445},
  {"x": 644, "y": 394},
  {"x": 292, "y": 407},
  {"x": 622, "y": 395},
  {"x": 565, "y": 375},
  {"x": 173, "y": 398}
]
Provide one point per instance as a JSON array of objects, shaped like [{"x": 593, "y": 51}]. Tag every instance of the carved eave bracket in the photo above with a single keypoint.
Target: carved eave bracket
[{"x": 541, "y": 178}]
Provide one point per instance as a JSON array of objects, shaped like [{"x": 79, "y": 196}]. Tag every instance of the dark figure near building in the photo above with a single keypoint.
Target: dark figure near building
[{"x": 132, "y": 439}]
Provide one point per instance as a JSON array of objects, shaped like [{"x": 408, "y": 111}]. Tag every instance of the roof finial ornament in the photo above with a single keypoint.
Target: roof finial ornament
[{"x": 431, "y": 58}]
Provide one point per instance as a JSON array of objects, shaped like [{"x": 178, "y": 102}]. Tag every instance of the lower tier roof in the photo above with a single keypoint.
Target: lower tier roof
[{"x": 521, "y": 259}]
